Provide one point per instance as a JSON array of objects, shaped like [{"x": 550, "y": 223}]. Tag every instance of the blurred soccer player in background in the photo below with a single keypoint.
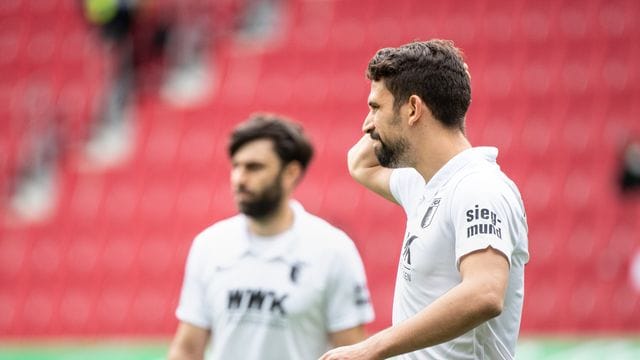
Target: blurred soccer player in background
[
  {"x": 460, "y": 282},
  {"x": 274, "y": 282}
]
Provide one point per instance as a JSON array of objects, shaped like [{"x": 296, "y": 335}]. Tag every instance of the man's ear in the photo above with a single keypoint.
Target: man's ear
[
  {"x": 292, "y": 173},
  {"x": 416, "y": 108}
]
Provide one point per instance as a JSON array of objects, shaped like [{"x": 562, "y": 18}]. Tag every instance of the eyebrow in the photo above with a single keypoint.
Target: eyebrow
[{"x": 248, "y": 163}]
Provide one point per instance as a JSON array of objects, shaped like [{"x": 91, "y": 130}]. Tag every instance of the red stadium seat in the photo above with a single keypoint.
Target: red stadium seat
[
  {"x": 111, "y": 312},
  {"x": 75, "y": 310},
  {"x": 39, "y": 310}
]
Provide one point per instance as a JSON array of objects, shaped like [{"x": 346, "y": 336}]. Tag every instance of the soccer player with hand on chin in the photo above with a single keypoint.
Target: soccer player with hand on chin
[{"x": 460, "y": 282}]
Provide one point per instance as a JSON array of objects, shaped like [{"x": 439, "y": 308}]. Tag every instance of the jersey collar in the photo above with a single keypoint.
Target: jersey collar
[
  {"x": 282, "y": 249},
  {"x": 442, "y": 176}
]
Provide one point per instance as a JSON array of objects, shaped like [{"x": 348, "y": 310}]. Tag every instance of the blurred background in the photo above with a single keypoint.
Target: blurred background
[{"x": 114, "y": 117}]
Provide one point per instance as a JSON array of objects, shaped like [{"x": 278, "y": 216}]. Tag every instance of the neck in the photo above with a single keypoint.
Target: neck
[
  {"x": 275, "y": 223},
  {"x": 442, "y": 146}
]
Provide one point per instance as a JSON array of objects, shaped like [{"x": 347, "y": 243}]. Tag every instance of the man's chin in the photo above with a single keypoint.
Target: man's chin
[
  {"x": 244, "y": 206},
  {"x": 385, "y": 160},
  {"x": 391, "y": 166}
]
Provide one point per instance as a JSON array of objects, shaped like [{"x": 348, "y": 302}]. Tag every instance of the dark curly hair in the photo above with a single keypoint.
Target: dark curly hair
[{"x": 434, "y": 70}]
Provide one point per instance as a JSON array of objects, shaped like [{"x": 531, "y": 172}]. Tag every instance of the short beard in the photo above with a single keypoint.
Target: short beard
[
  {"x": 391, "y": 155},
  {"x": 266, "y": 203}
]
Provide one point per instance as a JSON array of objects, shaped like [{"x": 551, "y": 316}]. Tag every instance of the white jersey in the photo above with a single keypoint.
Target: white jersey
[
  {"x": 275, "y": 298},
  {"x": 468, "y": 205}
]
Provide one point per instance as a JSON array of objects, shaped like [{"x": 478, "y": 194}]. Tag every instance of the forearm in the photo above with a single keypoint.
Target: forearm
[
  {"x": 348, "y": 336},
  {"x": 361, "y": 161},
  {"x": 189, "y": 343},
  {"x": 365, "y": 168},
  {"x": 455, "y": 313}
]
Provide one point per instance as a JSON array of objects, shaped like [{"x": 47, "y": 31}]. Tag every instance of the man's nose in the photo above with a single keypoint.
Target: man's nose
[
  {"x": 367, "y": 126},
  {"x": 237, "y": 176}
]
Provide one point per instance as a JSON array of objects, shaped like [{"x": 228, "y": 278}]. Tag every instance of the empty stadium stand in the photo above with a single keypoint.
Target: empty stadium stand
[{"x": 555, "y": 87}]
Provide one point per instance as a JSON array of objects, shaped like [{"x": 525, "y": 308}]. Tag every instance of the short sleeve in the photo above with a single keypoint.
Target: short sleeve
[
  {"x": 348, "y": 302},
  {"x": 482, "y": 214},
  {"x": 406, "y": 184},
  {"x": 191, "y": 308}
]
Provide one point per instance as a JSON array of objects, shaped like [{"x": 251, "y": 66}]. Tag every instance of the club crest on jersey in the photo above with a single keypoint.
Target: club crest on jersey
[
  {"x": 294, "y": 273},
  {"x": 429, "y": 214}
]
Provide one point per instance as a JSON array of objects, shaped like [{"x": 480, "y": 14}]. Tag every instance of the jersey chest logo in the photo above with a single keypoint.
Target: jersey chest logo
[
  {"x": 430, "y": 213},
  {"x": 407, "y": 268}
]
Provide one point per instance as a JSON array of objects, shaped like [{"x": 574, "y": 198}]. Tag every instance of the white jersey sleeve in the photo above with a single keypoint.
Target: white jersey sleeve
[
  {"x": 347, "y": 296},
  {"x": 192, "y": 307},
  {"x": 406, "y": 186},
  {"x": 484, "y": 212}
]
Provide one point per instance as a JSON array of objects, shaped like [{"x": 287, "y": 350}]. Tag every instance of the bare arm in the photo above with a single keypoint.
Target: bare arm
[
  {"x": 478, "y": 298},
  {"x": 189, "y": 343},
  {"x": 365, "y": 168},
  {"x": 348, "y": 336}
]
